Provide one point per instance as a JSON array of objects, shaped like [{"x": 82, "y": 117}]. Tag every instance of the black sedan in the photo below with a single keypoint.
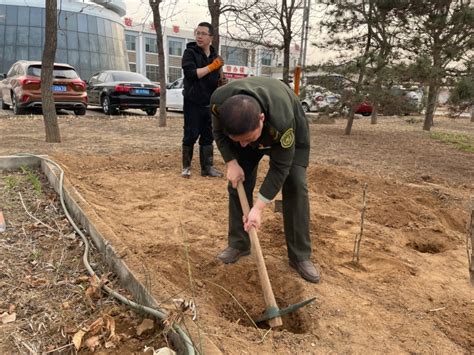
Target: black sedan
[{"x": 120, "y": 90}]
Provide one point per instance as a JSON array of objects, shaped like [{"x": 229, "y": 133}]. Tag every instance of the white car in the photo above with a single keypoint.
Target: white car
[
  {"x": 174, "y": 95},
  {"x": 320, "y": 102}
]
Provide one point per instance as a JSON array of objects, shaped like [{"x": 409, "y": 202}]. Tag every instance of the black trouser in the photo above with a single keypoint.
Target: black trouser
[
  {"x": 197, "y": 124},
  {"x": 295, "y": 207}
]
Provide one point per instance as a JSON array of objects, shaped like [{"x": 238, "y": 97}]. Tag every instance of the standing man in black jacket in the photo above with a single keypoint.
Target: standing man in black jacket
[{"x": 201, "y": 65}]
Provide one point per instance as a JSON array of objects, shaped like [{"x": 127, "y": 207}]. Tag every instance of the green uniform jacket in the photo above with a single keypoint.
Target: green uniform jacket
[{"x": 285, "y": 134}]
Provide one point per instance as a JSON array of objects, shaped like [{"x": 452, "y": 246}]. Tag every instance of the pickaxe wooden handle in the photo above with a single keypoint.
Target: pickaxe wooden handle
[{"x": 268, "y": 295}]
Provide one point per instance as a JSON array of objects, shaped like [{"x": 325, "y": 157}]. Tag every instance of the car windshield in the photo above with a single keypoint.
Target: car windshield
[
  {"x": 58, "y": 72},
  {"x": 126, "y": 76}
]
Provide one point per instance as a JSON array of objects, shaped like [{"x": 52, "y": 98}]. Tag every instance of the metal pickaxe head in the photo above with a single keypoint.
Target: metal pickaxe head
[{"x": 274, "y": 312}]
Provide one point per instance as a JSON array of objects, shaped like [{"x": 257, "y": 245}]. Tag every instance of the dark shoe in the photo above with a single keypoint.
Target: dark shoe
[
  {"x": 231, "y": 255},
  {"x": 206, "y": 157},
  {"x": 212, "y": 172},
  {"x": 186, "y": 173},
  {"x": 306, "y": 269}
]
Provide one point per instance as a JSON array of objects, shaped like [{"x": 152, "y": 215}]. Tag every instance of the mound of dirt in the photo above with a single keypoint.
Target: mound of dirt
[{"x": 409, "y": 293}]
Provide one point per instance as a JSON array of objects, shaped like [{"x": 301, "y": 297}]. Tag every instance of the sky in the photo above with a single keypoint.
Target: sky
[{"x": 188, "y": 13}]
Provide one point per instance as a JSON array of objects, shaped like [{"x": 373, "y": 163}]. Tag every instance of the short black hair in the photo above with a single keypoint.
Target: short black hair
[
  {"x": 209, "y": 27},
  {"x": 239, "y": 114}
]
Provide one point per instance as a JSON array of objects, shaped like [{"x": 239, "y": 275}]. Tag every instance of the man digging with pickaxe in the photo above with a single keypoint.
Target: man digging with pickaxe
[{"x": 254, "y": 117}]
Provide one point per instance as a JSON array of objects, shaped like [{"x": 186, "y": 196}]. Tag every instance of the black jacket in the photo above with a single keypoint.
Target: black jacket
[{"x": 196, "y": 90}]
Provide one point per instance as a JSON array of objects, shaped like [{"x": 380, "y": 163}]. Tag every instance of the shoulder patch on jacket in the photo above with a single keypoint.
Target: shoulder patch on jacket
[
  {"x": 288, "y": 138},
  {"x": 214, "y": 110}
]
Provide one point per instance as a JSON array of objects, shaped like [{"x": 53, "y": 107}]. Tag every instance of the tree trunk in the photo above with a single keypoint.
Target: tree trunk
[
  {"x": 155, "y": 7},
  {"x": 214, "y": 9},
  {"x": 49, "y": 52},
  {"x": 432, "y": 96}
]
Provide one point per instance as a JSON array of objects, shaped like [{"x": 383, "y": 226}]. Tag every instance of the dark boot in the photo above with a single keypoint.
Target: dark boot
[
  {"x": 187, "y": 157},
  {"x": 206, "y": 156}
]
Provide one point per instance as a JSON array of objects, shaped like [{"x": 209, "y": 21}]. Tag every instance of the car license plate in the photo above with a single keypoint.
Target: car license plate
[
  {"x": 59, "y": 88},
  {"x": 142, "y": 92}
]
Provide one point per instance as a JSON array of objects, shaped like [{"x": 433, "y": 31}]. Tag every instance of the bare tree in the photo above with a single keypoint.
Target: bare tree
[
  {"x": 270, "y": 23},
  {"x": 49, "y": 53},
  {"x": 155, "y": 7},
  {"x": 217, "y": 8}
]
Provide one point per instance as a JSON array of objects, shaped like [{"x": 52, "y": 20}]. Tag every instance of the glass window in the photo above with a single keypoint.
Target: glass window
[
  {"x": 23, "y": 16},
  {"x": 94, "y": 42},
  {"x": 131, "y": 40},
  {"x": 82, "y": 23},
  {"x": 150, "y": 45},
  {"x": 100, "y": 26},
  {"x": 61, "y": 56},
  {"x": 35, "y": 53},
  {"x": 73, "y": 58},
  {"x": 235, "y": 55},
  {"x": 95, "y": 61},
  {"x": 22, "y": 36},
  {"x": 72, "y": 40},
  {"x": 71, "y": 21},
  {"x": 21, "y": 52},
  {"x": 35, "y": 36},
  {"x": 2, "y": 34},
  {"x": 36, "y": 17},
  {"x": 175, "y": 47},
  {"x": 10, "y": 36},
  {"x": 62, "y": 40},
  {"x": 102, "y": 44},
  {"x": 267, "y": 58},
  {"x": 12, "y": 15},
  {"x": 62, "y": 20},
  {"x": 133, "y": 67},
  {"x": 108, "y": 28},
  {"x": 3, "y": 14},
  {"x": 92, "y": 23},
  {"x": 152, "y": 72},
  {"x": 58, "y": 72},
  {"x": 85, "y": 60},
  {"x": 174, "y": 74},
  {"x": 125, "y": 76},
  {"x": 83, "y": 42}
]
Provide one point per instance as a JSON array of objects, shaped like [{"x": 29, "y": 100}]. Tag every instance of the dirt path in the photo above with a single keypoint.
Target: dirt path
[{"x": 410, "y": 293}]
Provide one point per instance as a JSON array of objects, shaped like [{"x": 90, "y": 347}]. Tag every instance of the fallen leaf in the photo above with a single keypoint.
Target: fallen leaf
[
  {"x": 77, "y": 339},
  {"x": 96, "y": 326},
  {"x": 92, "y": 342},
  {"x": 11, "y": 308},
  {"x": 8, "y": 318},
  {"x": 82, "y": 279},
  {"x": 110, "y": 325},
  {"x": 147, "y": 324},
  {"x": 65, "y": 305}
]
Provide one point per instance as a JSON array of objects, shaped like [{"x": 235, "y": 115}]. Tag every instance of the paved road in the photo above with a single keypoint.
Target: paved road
[{"x": 91, "y": 111}]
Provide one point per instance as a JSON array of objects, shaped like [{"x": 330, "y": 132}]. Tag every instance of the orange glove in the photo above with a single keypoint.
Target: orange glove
[{"x": 216, "y": 64}]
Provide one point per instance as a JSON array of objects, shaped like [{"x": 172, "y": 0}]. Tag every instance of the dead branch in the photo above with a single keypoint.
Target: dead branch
[
  {"x": 358, "y": 237},
  {"x": 470, "y": 246},
  {"x": 33, "y": 217}
]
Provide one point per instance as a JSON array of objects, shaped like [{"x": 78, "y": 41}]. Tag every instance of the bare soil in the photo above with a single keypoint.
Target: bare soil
[{"x": 410, "y": 293}]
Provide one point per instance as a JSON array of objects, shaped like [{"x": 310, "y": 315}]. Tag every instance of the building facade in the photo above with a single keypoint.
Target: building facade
[{"x": 90, "y": 35}]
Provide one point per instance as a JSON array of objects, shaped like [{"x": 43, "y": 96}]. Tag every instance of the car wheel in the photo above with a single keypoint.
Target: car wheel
[
  {"x": 366, "y": 113},
  {"x": 5, "y": 106},
  {"x": 16, "y": 110},
  {"x": 305, "y": 107},
  {"x": 80, "y": 111},
  {"x": 151, "y": 111},
  {"x": 108, "y": 110}
]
